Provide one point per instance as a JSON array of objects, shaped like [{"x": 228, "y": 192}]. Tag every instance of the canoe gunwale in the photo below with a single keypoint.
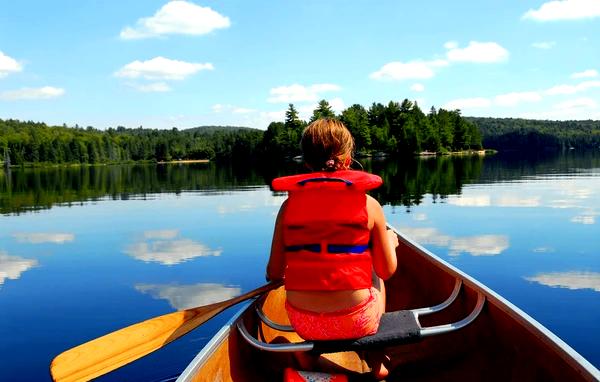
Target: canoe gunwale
[
  {"x": 533, "y": 326},
  {"x": 209, "y": 349}
]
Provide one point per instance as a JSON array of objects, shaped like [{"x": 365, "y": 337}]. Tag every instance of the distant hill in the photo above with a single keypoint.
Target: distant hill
[
  {"x": 529, "y": 134},
  {"x": 213, "y": 129}
]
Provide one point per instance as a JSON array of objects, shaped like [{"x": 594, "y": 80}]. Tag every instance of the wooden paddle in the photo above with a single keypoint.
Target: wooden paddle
[{"x": 104, "y": 354}]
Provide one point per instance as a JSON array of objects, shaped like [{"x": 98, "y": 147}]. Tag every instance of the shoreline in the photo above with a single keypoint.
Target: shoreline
[
  {"x": 58, "y": 165},
  {"x": 184, "y": 161}
]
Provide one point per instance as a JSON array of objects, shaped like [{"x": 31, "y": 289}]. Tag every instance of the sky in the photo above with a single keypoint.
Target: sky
[{"x": 163, "y": 64}]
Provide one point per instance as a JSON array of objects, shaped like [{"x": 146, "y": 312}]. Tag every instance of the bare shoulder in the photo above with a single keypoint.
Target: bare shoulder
[
  {"x": 373, "y": 205},
  {"x": 374, "y": 211}
]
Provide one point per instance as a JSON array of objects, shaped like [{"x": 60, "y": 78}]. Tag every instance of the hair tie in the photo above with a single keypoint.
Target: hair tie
[{"x": 330, "y": 164}]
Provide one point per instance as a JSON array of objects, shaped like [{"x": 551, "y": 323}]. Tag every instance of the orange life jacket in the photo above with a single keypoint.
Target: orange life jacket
[{"x": 325, "y": 230}]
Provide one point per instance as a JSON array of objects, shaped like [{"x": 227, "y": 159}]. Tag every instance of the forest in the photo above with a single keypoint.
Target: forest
[
  {"x": 395, "y": 128},
  {"x": 534, "y": 135}
]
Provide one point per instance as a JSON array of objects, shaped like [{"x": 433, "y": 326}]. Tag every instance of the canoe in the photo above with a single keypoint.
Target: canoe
[{"x": 471, "y": 334}]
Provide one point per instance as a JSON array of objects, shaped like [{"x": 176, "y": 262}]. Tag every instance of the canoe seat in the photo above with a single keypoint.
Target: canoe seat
[{"x": 395, "y": 328}]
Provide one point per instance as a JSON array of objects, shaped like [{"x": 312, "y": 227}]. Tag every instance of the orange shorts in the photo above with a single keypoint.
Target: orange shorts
[{"x": 354, "y": 322}]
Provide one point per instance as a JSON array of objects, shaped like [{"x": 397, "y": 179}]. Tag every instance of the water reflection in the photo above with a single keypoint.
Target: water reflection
[
  {"x": 43, "y": 237},
  {"x": 505, "y": 200},
  {"x": 11, "y": 267},
  {"x": 544, "y": 250},
  {"x": 189, "y": 296},
  {"x": 570, "y": 280},
  {"x": 406, "y": 181},
  {"x": 585, "y": 218},
  {"x": 168, "y": 248},
  {"x": 482, "y": 245}
]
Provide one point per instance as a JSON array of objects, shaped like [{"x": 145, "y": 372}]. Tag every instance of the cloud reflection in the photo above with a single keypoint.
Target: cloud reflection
[
  {"x": 189, "y": 296},
  {"x": 570, "y": 280},
  {"x": 164, "y": 234},
  {"x": 166, "y": 247},
  {"x": 484, "y": 200},
  {"x": 482, "y": 245},
  {"x": 11, "y": 267},
  {"x": 470, "y": 201},
  {"x": 43, "y": 237},
  {"x": 517, "y": 201}
]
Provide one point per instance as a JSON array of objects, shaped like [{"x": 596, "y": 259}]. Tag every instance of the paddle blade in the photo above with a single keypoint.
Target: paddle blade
[{"x": 107, "y": 353}]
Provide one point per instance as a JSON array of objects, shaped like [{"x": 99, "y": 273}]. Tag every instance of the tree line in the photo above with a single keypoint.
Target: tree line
[
  {"x": 395, "y": 128},
  {"x": 534, "y": 135}
]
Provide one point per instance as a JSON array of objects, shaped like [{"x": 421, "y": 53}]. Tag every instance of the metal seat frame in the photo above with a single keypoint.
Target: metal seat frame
[{"x": 423, "y": 331}]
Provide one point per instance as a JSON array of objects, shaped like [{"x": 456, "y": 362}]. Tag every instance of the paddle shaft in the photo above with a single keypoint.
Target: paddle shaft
[{"x": 111, "y": 351}]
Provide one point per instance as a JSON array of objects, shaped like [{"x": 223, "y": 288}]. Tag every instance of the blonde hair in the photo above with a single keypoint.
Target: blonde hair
[{"x": 327, "y": 145}]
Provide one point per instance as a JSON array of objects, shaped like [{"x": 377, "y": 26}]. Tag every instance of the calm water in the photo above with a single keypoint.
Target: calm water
[{"x": 87, "y": 251}]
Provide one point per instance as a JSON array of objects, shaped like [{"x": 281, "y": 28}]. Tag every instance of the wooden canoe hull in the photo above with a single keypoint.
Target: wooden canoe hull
[{"x": 502, "y": 344}]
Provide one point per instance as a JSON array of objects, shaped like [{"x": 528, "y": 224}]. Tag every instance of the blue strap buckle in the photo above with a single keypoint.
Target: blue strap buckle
[{"x": 324, "y": 179}]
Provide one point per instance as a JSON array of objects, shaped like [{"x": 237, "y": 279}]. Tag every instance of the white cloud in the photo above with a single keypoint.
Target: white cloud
[
  {"x": 300, "y": 93},
  {"x": 182, "y": 297},
  {"x": 337, "y": 104},
  {"x": 43, "y": 237},
  {"x": 11, "y": 267},
  {"x": 217, "y": 108},
  {"x": 272, "y": 116},
  {"x": 586, "y": 103},
  {"x": 177, "y": 17},
  {"x": 160, "y": 68},
  {"x": 243, "y": 110},
  {"x": 572, "y": 89},
  {"x": 8, "y": 65},
  {"x": 167, "y": 248},
  {"x": 515, "y": 98},
  {"x": 451, "y": 45},
  {"x": 479, "y": 52},
  {"x": 565, "y": 10},
  {"x": 415, "y": 70},
  {"x": 467, "y": 103},
  {"x": 417, "y": 87},
  {"x": 585, "y": 74},
  {"x": 45, "y": 92},
  {"x": 155, "y": 87},
  {"x": 544, "y": 44},
  {"x": 570, "y": 280}
]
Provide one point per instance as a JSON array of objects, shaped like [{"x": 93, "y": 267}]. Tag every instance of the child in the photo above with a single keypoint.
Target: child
[{"x": 329, "y": 238}]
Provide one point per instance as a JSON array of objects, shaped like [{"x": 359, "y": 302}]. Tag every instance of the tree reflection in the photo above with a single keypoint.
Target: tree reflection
[{"x": 406, "y": 180}]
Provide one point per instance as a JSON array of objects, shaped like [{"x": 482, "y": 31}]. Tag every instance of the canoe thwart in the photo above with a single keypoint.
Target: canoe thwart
[
  {"x": 263, "y": 317},
  {"x": 429, "y": 331},
  {"x": 395, "y": 328}
]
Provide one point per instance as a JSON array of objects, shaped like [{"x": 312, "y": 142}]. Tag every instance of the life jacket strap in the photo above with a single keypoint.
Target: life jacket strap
[{"x": 331, "y": 248}]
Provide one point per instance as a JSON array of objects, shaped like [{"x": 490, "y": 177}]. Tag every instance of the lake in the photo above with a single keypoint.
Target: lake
[{"x": 88, "y": 250}]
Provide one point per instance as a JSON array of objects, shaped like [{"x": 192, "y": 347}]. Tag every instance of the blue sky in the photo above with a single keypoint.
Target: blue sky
[{"x": 161, "y": 64}]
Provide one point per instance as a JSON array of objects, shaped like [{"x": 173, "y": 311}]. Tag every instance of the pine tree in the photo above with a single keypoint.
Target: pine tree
[{"x": 323, "y": 110}]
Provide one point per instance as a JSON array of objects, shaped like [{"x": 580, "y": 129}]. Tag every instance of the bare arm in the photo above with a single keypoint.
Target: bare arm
[
  {"x": 384, "y": 242},
  {"x": 276, "y": 265}
]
